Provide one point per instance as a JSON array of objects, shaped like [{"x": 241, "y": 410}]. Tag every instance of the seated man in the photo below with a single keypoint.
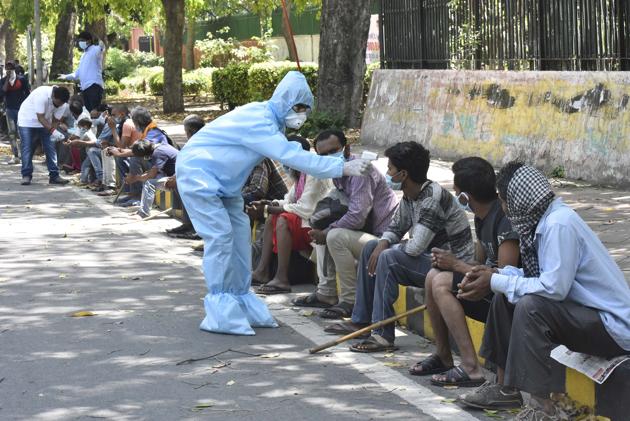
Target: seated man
[
  {"x": 475, "y": 187},
  {"x": 143, "y": 122},
  {"x": 287, "y": 228},
  {"x": 371, "y": 205},
  {"x": 163, "y": 158},
  {"x": 432, "y": 218},
  {"x": 569, "y": 292},
  {"x": 69, "y": 158},
  {"x": 84, "y": 137}
]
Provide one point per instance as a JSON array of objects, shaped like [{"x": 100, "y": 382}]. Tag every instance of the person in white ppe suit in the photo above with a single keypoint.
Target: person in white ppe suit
[{"x": 211, "y": 170}]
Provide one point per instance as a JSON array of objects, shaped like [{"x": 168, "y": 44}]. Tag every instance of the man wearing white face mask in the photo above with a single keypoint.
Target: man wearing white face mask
[{"x": 90, "y": 71}]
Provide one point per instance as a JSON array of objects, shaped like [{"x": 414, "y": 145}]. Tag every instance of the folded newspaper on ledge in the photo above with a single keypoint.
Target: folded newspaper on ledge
[{"x": 596, "y": 368}]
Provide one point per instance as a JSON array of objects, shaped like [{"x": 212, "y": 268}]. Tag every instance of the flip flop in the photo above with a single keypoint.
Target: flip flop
[
  {"x": 310, "y": 300},
  {"x": 430, "y": 365},
  {"x": 340, "y": 311},
  {"x": 373, "y": 344},
  {"x": 272, "y": 290},
  {"x": 457, "y": 376}
]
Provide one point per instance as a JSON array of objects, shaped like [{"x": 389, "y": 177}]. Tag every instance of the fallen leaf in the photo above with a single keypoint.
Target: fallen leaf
[
  {"x": 403, "y": 403},
  {"x": 82, "y": 314},
  {"x": 307, "y": 313},
  {"x": 393, "y": 364},
  {"x": 161, "y": 278},
  {"x": 62, "y": 275},
  {"x": 274, "y": 355},
  {"x": 230, "y": 383},
  {"x": 445, "y": 400},
  {"x": 202, "y": 406},
  {"x": 450, "y": 387},
  {"x": 389, "y": 355},
  {"x": 492, "y": 413},
  {"x": 124, "y": 276}
]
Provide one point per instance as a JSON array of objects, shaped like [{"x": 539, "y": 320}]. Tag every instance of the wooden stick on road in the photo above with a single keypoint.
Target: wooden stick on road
[{"x": 367, "y": 329}]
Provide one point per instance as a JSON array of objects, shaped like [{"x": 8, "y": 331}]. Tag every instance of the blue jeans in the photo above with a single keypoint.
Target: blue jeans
[
  {"x": 376, "y": 294},
  {"x": 28, "y": 136},
  {"x": 12, "y": 129},
  {"x": 138, "y": 166},
  {"x": 148, "y": 196},
  {"x": 94, "y": 155}
]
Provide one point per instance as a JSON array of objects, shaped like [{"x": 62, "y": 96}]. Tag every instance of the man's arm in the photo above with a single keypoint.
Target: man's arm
[
  {"x": 47, "y": 124},
  {"x": 149, "y": 175},
  {"x": 558, "y": 255},
  {"x": 257, "y": 186},
  {"x": 360, "y": 202}
]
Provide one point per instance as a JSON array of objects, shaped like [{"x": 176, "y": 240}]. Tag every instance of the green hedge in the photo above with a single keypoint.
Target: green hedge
[
  {"x": 238, "y": 84},
  {"x": 139, "y": 80},
  {"x": 264, "y": 77},
  {"x": 230, "y": 84},
  {"x": 195, "y": 82},
  {"x": 121, "y": 64}
]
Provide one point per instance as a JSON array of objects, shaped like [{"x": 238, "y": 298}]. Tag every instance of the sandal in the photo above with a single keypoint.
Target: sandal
[
  {"x": 457, "y": 376},
  {"x": 340, "y": 311},
  {"x": 375, "y": 343},
  {"x": 430, "y": 365},
  {"x": 345, "y": 328},
  {"x": 267, "y": 289},
  {"x": 310, "y": 300}
]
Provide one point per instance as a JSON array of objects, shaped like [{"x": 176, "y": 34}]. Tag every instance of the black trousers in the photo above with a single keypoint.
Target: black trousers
[
  {"x": 92, "y": 96},
  {"x": 519, "y": 338}
]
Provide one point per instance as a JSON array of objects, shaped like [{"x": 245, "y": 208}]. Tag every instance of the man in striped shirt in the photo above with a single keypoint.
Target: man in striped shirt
[{"x": 432, "y": 218}]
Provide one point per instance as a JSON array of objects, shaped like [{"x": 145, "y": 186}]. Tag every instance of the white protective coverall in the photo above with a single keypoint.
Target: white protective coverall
[{"x": 211, "y": 170}]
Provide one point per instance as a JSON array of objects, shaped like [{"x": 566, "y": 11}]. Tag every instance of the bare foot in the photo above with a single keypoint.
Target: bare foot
[{"x": 260, "y": 277}]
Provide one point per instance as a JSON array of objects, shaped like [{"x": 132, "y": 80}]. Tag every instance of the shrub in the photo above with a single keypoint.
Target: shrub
[
  {"x": 120, "y": 64},
  {"x": 230, "y": 85},
  {"x": 112, "y": 87},
  {"x": 156, "y": 84},
  {"x": 139, "y": 80},
  {"x": 264, "y": 77},
  {"x": 219, "y": 52},
  {"x": 319, "y": 121},
  {"x": 202, "y": 78}
]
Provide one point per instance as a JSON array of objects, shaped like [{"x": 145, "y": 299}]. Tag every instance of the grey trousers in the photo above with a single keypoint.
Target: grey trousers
[
  {"x": 376, "y": 295},
  {"x": 519, "y": 338}
]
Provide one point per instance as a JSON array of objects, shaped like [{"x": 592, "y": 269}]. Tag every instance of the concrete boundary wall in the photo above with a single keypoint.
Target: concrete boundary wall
[{"x": 579, "y": 121}]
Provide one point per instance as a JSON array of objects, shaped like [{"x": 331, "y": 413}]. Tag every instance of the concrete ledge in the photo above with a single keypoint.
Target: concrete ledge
[{"x": 608, "y": 399}]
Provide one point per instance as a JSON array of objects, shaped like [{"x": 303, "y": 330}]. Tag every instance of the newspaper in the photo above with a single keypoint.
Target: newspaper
[{"x": 596, "y": 368}]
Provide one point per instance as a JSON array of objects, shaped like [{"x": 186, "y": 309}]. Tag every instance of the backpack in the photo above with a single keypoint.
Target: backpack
[
  {"x": 328, "y": 210},
  {"x": 168, "y": 139}
]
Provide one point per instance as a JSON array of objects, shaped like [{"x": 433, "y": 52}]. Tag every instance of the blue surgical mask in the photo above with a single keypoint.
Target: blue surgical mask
[
  {"x": 394, "y": 185},
  {"x": 83, "y": 45},
  {"x": 466, "y": 206}
]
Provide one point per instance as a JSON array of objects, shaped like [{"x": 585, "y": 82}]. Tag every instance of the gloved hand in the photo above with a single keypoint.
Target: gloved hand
[
  {"x": 356, "y": 167},
  {"x": 62, "y": 76}
]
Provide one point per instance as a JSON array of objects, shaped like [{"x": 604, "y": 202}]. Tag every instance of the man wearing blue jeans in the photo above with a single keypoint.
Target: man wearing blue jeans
[
  {"x": 39, "y": 116},
  {"x": 14, "y": 89}
]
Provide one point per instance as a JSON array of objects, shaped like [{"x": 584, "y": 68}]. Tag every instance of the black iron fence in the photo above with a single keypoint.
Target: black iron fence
[{"x": 505, "y": 34}]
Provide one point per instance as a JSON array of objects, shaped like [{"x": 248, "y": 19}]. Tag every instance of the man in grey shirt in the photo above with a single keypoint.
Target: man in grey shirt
[{"x": 432, "y": 217}]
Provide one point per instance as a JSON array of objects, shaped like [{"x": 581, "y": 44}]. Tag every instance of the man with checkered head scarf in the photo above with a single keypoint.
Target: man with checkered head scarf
[{"x": 569, "y": 292}]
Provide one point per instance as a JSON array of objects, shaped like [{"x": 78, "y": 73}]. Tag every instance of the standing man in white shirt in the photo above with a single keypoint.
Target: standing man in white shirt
[
  {"x": 39, "y": 115},
  {"x": 90, "y": 71}
]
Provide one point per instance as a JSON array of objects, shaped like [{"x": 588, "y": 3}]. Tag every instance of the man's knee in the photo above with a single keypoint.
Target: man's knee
[
  {"x": 336, "y": 238},
  {"x": 529, "y": 306},
  {"x": 282, "y": 224},
  {"x": 369, "y": 247},
  {"x": 442, "y": 282}
]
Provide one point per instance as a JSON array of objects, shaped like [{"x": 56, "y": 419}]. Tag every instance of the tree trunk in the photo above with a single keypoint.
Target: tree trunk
[
  {"x": 287, "y": 34},
  {"x": 174, "y": 13},
  {"x": 3, "y": 35},
  {"x": 345, "y": 25},
  {"x": 190, "y": 43},
  {"x": 64, "y": 41},
  {"x": 10, "y": 41}
]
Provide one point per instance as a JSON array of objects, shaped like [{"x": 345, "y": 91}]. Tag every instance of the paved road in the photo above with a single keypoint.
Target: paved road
[{"x": 64, "y": 250}]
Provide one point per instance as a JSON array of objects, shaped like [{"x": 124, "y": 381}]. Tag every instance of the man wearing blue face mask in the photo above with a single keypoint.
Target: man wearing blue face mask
[
  {"x": 211, "y": 170},
  {"x": 90, "y": 71},
  {"x": 432, "y": 218}
]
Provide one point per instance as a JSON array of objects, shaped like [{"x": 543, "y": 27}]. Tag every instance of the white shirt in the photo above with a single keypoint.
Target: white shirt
[
  {"x": 315, "y": 189},
  {"x": 39, "y": 102},
  {"x": 90, "y": 70}
]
